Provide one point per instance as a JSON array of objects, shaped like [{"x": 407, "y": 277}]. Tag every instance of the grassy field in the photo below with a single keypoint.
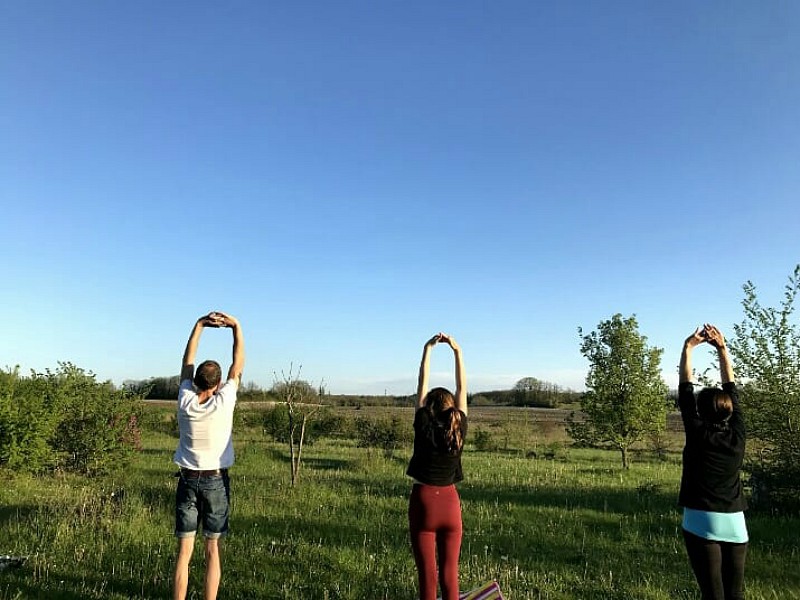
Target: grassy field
[{"x": 546, "y": 520}]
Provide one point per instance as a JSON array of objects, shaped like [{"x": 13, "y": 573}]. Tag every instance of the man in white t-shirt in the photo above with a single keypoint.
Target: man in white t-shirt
[{"x": 204, "y": 453}]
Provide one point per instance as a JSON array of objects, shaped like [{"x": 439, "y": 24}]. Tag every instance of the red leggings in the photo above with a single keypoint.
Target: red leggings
[{"x": 434, "y": 520}]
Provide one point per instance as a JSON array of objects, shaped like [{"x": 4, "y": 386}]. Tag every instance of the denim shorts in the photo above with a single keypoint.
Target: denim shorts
[{"x": 206, "y": 498}]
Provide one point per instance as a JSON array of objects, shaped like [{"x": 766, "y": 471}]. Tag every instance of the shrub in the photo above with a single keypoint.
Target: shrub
[
  {"x": 483, "y": 441},
  {"x": 27, "y": 422},
  {"x": 388, "y": 434},
  {"x": 276, "y": 423},
  {"x": 65, "y": 419},
  {"x": 98, "y": 429},
  {"x": 321, "y": 424}
]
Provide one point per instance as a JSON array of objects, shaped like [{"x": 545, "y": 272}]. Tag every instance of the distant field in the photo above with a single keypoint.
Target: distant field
[{"x": 558, "y": 524}]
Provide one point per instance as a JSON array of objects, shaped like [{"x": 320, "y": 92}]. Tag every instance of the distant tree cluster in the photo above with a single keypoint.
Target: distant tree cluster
[
  {"x": 155, "y": 388},
  {"x": 530, "y": 391}
]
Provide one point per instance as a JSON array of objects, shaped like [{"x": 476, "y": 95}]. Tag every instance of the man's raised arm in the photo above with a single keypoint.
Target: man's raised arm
[
  {"x": 212, "y": 319},
  {"x": 237, "y": 366}
]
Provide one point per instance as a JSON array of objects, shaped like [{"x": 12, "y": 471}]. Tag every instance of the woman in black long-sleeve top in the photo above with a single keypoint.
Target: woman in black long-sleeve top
[{"x": 711, "y": 494}]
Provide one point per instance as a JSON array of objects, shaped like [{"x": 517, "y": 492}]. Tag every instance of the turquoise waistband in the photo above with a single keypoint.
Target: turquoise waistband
[{"x": 720, "y": 527}]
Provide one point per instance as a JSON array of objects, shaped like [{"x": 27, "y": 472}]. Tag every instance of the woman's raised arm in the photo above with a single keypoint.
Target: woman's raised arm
[
  {"x": 461, "y": 376},
  {"x": 716, "y": 339},
  {"x": 697, "y": 338},
  {"x": 424, "y": 366}
]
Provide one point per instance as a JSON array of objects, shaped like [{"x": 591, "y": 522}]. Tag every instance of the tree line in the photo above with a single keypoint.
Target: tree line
[{"x": 528, "y": 391}]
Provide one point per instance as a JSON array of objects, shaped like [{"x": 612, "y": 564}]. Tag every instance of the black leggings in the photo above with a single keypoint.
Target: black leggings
[{"x": 718, "y": 567}]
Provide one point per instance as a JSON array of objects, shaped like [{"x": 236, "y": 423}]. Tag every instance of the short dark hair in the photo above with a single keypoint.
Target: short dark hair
[
  {"x": 714, "y": 405},
  {"x": 208, "y": 375}
]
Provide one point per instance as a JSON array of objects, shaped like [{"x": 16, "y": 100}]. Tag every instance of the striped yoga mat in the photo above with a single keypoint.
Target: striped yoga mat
[{"x": 488, "y": 591}]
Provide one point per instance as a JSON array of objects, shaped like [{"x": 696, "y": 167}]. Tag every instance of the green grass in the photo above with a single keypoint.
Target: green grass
[{"x": 572, "y": 527}]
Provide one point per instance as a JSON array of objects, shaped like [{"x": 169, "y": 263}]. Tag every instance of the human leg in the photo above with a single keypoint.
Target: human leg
[
  {"x": 213, "y": 569},
  {"x": 448, "y": 542},
  {"x": 423, "y": 542},
  {"x": 705, "y": 557},
  {"x": 185, "y": 529},
  {"x": 181, "y": 576},
  {"x": 215, "y": 509},
  {"x": 733, "y": 559}
]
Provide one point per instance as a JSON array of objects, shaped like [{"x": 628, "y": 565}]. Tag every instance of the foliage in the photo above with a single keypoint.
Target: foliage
[
  {"x": 387, "y": 433},
  {"x": 766, "y": 355},
  {"x": 155, "y": 388},
  {"x": 325, "y": 424},
  {"x": 28, "y": 420},
  {"x": 98, "y": 426},
  {"x": 626, "y": 396},
  {"x": 65, "y": 419},
  {"x": 530, "y": 391},
  {"x": 291, "y": 386},
  {"x": 483, "y": 440}
]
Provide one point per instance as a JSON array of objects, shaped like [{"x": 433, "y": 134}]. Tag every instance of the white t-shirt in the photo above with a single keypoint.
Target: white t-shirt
[{"x": 206, "y": 440}]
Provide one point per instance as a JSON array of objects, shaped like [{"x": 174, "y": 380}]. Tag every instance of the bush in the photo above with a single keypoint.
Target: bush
[
  {"x": 321, "y": 424},
  {"x": 98, "y": 429},
  {"x": 276, "y": 423},
  {"x": 65, "y": 419},
  {"x": 388, "y": 434},
  {"x": 483, "y": 441},
  {"x": 158, "y": 419},
  {"x": 28, "y": 421}
]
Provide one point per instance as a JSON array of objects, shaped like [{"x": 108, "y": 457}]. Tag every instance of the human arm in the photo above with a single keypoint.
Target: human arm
[
  {"x": 424, "y": 367},
  {"x": 212, "y": 319},
  {"x": 461, "y": 376},
  {"x": 716, "y": 339},
  {"x": 237, "y": 365},
  {"x": 697, "y": 338}
]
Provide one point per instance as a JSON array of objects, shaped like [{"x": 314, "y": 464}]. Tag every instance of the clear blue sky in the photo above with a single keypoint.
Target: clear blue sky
[{"x": 349, "y": 178}]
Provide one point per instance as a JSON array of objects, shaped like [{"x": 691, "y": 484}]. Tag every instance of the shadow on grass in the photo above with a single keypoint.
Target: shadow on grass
[
  {"x": 328, "y": 464},
  {"x": 16, "y": 512},
  {"x": 603, "y": 499}
]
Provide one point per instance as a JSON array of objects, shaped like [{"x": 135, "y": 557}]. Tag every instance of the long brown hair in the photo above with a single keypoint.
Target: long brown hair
[{"x": 441, "y": 405}]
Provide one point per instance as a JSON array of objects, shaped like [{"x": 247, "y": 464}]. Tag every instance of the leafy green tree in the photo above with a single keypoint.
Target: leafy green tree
[
  {"x": 765, "y": 349},
  {"x": 626, "y": 396}
]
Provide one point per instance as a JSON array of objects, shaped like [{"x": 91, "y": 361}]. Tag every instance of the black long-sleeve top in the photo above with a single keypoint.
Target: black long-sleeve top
[{"x": 712, "y": 456}]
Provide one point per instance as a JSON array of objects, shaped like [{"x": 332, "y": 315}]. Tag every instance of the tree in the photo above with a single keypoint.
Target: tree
[
  {"x": 626, "y": 398},
  {"x": 530, "y": 391},
  {"x": 765, "y": 349},
  {"x": 302, "y": 403}
]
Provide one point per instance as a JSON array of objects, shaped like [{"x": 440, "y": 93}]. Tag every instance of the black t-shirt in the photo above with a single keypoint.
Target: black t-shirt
[
  {"x": 431, "y": 462},
  {"x": 712, "y": 456}
]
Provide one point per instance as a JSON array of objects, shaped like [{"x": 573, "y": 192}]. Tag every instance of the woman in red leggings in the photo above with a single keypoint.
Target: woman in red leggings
[{"x": 434, "y": 509}]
